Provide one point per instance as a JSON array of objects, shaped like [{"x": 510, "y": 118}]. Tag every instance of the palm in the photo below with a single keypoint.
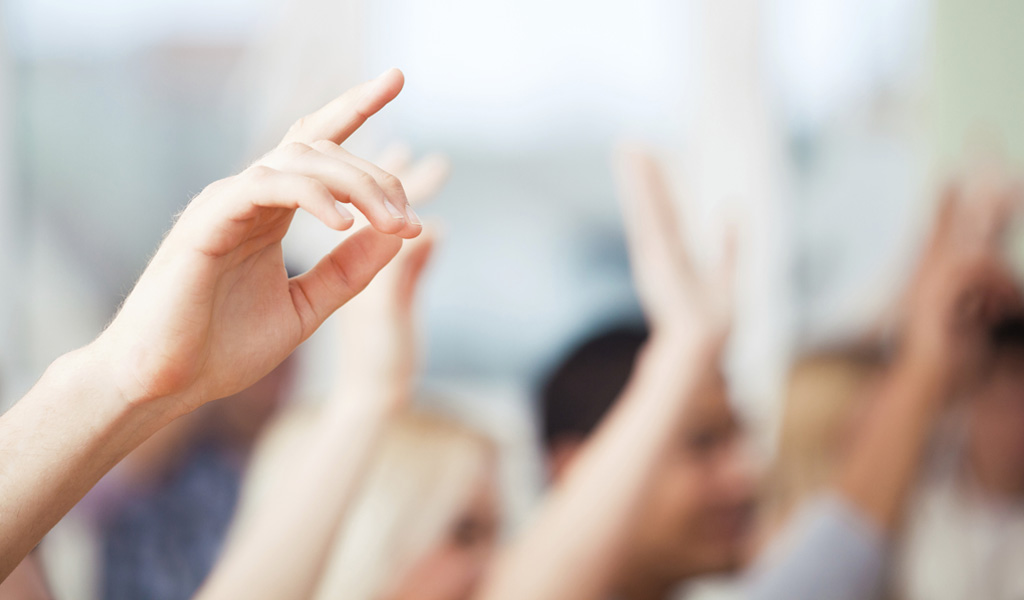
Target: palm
[{"x": 253, "y": 324}]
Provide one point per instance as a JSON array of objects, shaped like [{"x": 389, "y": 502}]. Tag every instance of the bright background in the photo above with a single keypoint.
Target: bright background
[{"x": 797, "y": 116}]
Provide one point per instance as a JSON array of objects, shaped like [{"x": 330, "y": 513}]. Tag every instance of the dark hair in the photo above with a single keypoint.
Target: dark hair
[
  {"x": 582, "y": 388},
  {"x": 1008, "y": 335}
]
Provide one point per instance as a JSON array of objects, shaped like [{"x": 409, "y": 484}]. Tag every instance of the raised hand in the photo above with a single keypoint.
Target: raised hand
[
  {"x": 673, "y": 293},
  {"x": 963, "y": 284},
  {"x": 215, "y": 311}
]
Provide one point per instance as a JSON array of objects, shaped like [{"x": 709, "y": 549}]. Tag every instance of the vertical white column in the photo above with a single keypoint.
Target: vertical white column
[
  {"x": 11, "y": 249},
  {"x": 735, "y": 171}
]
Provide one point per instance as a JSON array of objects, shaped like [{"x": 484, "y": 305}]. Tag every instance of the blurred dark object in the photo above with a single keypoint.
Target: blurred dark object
[
  {"x": 1008, "y": 334},
  {"x": 586, "y": 383}
]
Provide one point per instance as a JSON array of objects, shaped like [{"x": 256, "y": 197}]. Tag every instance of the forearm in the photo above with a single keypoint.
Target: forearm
[
  {"x": 58, "y": 441},
  {"x": 885, "y": 459},
  {"x": 307, "y": 502},
  {"x": 571, "y": 549}
]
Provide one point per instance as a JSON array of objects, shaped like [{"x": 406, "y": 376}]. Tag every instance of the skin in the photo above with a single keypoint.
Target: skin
[
  {"x": 697, "y": 514},
  {"x": 697, "y": 518},
  {"x": 26, "y": 582},
  {"x": 213, "y": 312},
  {"x": 996, "y": 435},
  {"x": 454, "y": 569}
]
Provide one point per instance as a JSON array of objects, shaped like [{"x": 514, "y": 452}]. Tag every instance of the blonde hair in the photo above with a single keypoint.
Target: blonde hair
[
  {"x": 824, "y": 392},
  {"x": 420, "y": 478}
]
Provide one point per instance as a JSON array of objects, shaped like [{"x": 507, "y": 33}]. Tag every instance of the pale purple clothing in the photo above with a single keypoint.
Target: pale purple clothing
[{"x": 830, "y": 551}]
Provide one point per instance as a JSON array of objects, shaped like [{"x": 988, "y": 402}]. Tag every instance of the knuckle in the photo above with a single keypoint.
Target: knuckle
[
  {"x": 258, "y": 173},
  {"x": 391, "y": 183},
  {"x": 298, "y": 125},
  {"x": 315, "y": 188},
  {"x": 365, "y": 180},
  {"x": 294, "y": 149},
  {"x": 215, "y": 187},
  {"x": 324, "y": 145}
]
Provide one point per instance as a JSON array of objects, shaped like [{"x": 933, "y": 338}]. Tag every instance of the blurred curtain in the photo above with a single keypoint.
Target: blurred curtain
[{"x": 11, "y": 292}]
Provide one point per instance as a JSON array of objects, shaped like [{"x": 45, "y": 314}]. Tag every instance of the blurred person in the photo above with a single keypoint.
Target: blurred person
[
  {"x": 827, "y": 398},
  {"x": 838, "y": 542},
  {"x": 965, "y": 533},
  {"x": 694, "y": 520},
  {"x": 423, "y": 521},
  {"x": 660, "y": 491},
  {"x": 213, "y": 313}
]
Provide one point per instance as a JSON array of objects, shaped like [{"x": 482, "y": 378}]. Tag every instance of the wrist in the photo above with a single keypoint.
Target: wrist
[
  {"x": 682, "y": 354},
  {"x": 86, "y": 377},
  {"x": 929, "y": 356},
  {"x": 110, "y": 374},
  {"x": 929, "y": 371},
  {"x": 694, "y": 342}
]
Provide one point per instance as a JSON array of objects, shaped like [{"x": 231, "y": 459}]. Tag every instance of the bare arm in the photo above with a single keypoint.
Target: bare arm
[
  {"x": 213, "y": 312},
  {"x": 572, "y": 548}
]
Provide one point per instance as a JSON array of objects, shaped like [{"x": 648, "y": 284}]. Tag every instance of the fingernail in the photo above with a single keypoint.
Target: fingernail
[
  {"x": 344, "y": 212},
  {"x": 413, "y": 217},
  {"x": 382, "y": 75},
  {"x": 393, "y": 210}
]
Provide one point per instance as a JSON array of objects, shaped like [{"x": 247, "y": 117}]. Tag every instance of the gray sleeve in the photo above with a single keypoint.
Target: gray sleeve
[{"x": 829, "y": 551}]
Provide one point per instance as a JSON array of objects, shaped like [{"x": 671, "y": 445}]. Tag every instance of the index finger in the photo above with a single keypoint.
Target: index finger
[
  {"x": 648, "y": 208},
  {"x": 340, "y": 118}
]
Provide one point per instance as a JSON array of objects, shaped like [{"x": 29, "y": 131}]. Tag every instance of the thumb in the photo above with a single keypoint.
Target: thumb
[{"x": 340, "y": 275}]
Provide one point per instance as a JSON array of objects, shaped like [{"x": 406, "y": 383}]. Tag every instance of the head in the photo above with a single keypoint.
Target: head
[
  {"x": 827, "y": 396},
  {"x": 996, "y": 416},
  {"x": 695, "y": 519},
  {"x": 425, "y": 522}
]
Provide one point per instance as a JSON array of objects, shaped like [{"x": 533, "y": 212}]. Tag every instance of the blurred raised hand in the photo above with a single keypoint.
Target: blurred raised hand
[
  {"x": 963, "y": 283},
  {"x": 377, "y": 328},
  {"x": 674, "y": 294},
  {"x": 962, "y": 286}
]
